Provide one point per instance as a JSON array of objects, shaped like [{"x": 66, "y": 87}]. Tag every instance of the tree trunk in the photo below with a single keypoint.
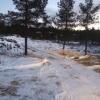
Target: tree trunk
[
  {"x": 26, "y": 45},
  {"x": 66, "y": 28},
  {"x": 86, "y": 47},
  {"x": 86, "y": 40},
  {"x": 64, "y": 43},
  {"x": 26, "y": 25}
]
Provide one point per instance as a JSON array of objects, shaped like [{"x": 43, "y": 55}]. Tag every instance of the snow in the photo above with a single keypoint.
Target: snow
[
  {"x": 44, "y": 75},
  {"x": 95, "y": 67},
  {"x": 84, "y": 57}
]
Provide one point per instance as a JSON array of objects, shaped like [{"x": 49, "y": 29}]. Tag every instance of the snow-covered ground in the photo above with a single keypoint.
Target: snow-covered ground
[{"x": 44, "y": 74}]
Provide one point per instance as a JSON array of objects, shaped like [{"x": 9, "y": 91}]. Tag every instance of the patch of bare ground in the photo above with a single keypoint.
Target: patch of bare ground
[
  {"x": 69, "y": 53},
  {"x": 89, "y": 60},
  {"x": 86, "y": 60},
  {"x": 66, "y": 53},
  {"x": 97, "y": 70},
  {"x": 35, "y": 79},
  {"x": 8, "y": 90},
  {"x": 15, "y": 82}
]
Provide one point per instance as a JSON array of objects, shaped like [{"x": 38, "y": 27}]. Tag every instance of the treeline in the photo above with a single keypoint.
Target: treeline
[
  {"x": 93, "y": 36},
  {"x": 32, "y": 20}
]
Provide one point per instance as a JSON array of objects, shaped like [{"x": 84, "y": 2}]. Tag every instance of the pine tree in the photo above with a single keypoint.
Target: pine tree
[
  {"x": 11, "y": 18},
  {"x": 1, "y": 18},
  {"x": 28, "y": 13},
  {"x": 87, "y": 17},
  {"x": 2, "y": 22},
  {"x": 66, "y": 16}
]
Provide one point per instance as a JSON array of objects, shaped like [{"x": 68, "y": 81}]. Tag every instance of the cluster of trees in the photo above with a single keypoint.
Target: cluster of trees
[
  {"x": 27, "y": 15},
  {"x": 66, "y": 16},
  {"x": 31, "y": 17}
]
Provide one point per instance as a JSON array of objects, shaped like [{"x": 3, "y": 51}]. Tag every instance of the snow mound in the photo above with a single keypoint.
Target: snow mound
[
  {"x": 84, "y": 57},
  {"x": 43, "y": 62},
  {"x": 95, "y": 67}
]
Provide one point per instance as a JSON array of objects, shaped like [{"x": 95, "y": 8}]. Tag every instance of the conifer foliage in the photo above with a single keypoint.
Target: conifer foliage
[
  {"x": 87, "y": 16},
  {"x": 29, "y": 11},
  {"x": 66, "y": 15}
]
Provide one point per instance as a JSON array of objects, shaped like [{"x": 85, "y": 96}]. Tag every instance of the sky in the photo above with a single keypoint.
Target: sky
[{"x": 6, "y": 5}]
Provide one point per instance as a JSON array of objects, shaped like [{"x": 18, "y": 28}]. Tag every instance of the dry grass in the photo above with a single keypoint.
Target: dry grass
[
  {"x": 69, "y": 53},
  {"x": 8, "y": 90},
  {"x": 15, "y": 83},
  {"x": 89, "y": 61}
]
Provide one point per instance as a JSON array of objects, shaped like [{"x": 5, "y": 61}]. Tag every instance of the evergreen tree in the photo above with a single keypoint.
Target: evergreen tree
[
  {"x": 46, "y": 21},
  {"x": 1, "y": 18},
  {"x": 28, "y": 13},
  {"x": 66, "y": 16},
  {"x": 87, "y": 17},
  {"x": 2, "y": 22},
  {"x": 11, "y": 18}
]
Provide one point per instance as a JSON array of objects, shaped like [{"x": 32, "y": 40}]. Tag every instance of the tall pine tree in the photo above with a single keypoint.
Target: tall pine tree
[
  {"x": 87, "y": 17},
  {"x": 28, "y": 13},
  {"x": 2, "y": 22},
  {"x": 66, "y": 16}
]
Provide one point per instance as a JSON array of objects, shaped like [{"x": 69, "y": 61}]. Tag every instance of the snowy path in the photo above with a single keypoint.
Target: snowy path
[
  {"x": 76, "y": 81},
  {"x": 55, "y": 79},
  {"x": 46, "y": 76}
]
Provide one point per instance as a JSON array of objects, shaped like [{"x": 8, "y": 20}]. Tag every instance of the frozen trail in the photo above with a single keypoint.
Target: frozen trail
[
  {"x": 46, "y": 76},
  {"x": 75, "y": 81}
]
